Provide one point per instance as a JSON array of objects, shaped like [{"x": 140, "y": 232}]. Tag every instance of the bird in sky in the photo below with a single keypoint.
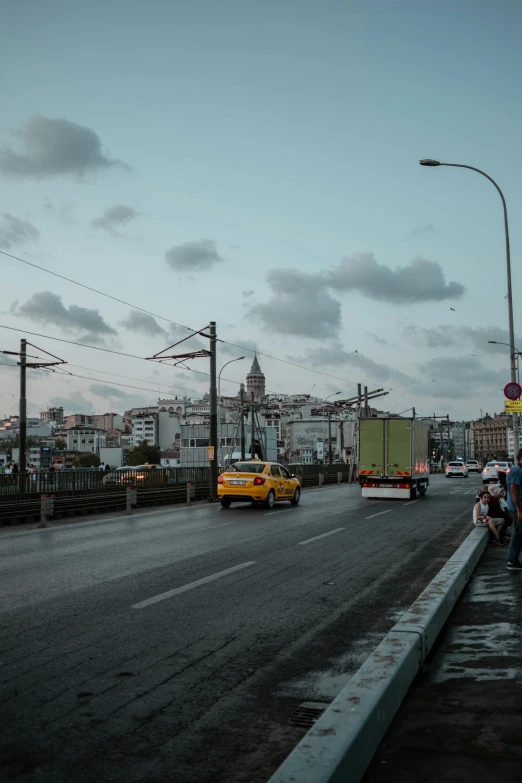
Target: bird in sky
[{"x": 452, "y": 308}]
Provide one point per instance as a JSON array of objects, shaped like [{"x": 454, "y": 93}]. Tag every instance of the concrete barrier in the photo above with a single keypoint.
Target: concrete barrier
[{"x": 343, "y": 741}]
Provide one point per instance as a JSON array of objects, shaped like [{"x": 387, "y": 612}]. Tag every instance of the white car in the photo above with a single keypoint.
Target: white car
[
  {"x": 473, "y": 465},
  {"x": 457, "y": 469},
  {"x": 492, "y": 470}
]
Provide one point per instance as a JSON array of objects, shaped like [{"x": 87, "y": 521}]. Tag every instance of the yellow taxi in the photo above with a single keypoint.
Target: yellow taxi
[{"x": 257, "y": 481}]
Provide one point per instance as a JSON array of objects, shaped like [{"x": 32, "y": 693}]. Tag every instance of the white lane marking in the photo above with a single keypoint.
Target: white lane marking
[
  {"x": 323, "y": 535},
  {"x": 379, "y": 513},
  {"x": 280, "y": 511},
  {"x": 410, "y": 503},
  {"x": 191, "y": 585}
]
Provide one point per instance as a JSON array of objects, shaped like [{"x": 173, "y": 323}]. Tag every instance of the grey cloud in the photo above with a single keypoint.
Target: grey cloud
[
  {"x": 46, "y": 307},
  {"x": 14, "y": 231},
  {"x": 425, "y": 230},
  {"x": 247, "y": 294},
  {"x": 459, "y": 378},
  {"x": 247, "y": 349},
  {"x": 74, "y": 403},
  {"x": 420, "y": 281},
  {"x": 63, "y": 213},
  {"x": 143, "y": 323},
  {"x": 446, "y": 335},
  {"x": 334, "y": 354},
  {"x": 115, "y": 217},
  {"x": 377, "y": 339},
  {"x": 193, "y": 256},
  {"x": 53, "y": 147},
  {"x": 299, "y": 305}
]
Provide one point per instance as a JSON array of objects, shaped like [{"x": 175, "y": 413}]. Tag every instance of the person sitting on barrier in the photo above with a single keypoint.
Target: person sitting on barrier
[
  {"x": 481, "y": 517},
  {"x": 498, "y": 509}
]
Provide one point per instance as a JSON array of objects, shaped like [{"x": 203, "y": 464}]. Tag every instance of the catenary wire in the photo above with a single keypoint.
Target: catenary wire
[{"x": 169, "y": 320}]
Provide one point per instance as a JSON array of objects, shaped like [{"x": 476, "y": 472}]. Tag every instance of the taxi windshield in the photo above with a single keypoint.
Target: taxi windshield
[{"x": 248, "y": 467}]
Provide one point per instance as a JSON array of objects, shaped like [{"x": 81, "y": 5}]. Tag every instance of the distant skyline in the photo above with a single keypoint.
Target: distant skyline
[{"x": 256, "y": 163}]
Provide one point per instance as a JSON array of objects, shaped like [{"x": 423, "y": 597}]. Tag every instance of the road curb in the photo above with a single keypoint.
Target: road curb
[{"x": 343, "y": 741}]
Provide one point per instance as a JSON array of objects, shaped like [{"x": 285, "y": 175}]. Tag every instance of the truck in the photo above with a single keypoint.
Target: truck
[{"x": 393, "y": 457}]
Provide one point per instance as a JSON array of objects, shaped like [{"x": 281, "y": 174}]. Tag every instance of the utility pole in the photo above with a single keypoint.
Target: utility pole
[
  {"x": 330, "y": 456},
  {"x": 359, "y": 395},
  {"x": 366, "y": 401},
  {"x": 213, "y": 412},
  {"x": 252, "y": 429},
  {"x": 242, "y": 414},
  {"x": 23, "y": 409}
]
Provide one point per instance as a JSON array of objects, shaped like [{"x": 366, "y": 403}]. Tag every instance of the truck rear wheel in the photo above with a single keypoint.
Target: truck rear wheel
[
  {"x": 413, "y": 493},
  {"x": 422, "y": 491}
]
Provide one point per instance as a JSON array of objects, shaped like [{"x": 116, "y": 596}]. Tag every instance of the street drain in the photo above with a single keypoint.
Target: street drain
[{"x": 307, "y": 713}]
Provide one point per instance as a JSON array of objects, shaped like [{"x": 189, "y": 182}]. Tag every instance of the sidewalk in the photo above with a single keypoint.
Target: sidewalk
[{"x": 462, "y": 720}]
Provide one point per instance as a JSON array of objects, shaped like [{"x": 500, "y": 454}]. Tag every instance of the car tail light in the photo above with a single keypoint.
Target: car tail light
[
  {"x": 258, "y": 481},
  {"x": 221, "y": 480}
]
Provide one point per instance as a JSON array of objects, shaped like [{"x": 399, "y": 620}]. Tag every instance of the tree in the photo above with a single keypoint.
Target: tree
[
  {"x": 60, "y": 444},
  {"x": 87, "y": 460},
  {"x": 144, "y": 454}
]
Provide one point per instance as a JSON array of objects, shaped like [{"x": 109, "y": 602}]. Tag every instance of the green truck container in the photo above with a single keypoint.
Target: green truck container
[{"x": 393, "y": 458}]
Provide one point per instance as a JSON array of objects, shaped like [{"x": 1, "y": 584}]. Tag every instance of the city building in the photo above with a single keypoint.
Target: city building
[
  {"x": 490, "y": 437},
  {"x": 110, "y": 422},
  {"x": 86, "y": 439},
  {"x": 53, "y": 415}
]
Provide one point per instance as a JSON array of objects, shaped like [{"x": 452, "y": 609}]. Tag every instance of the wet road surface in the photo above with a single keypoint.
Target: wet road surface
[{"x": 173, "y": 646}]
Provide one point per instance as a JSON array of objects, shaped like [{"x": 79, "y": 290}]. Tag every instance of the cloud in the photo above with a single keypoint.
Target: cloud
[
  {"x": 14, "y": 231},
  {"x": 459, "y": 377},
  {"x": 193, "y": 256},
  {"x": 300, "y": 305},
  {"x": 334, "y": 354},
  {"x": 54, "y": 147},
  {"x": 420, "y": 281},
  {"x": 63, "y": 213},
  {"x": 143, "y": 324},
  {"x": 419, "y": 231},
  {"x": 445, "y": 336},
  {"x": 115, "y": 217},
  {"x": 75, "y": 403},
  {"x": 47, "y": 308},
  {"x": 377, "y": 339},
  {"x": 247, "y": 294}
]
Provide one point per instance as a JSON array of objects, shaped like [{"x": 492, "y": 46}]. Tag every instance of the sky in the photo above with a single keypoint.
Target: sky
[{"x": 255, "y": 163}]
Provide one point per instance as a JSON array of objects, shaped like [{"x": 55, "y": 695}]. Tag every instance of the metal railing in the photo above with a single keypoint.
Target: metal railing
[{"x": 79, "y": 482}]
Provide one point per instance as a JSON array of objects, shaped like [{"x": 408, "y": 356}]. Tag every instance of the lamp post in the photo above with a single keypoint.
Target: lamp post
[
  {"x": 219, "y": 401},
  {"x": 330, "y": 427},
  {"x": 430, "y": 162},
  {"x": 518, "y": 354}
]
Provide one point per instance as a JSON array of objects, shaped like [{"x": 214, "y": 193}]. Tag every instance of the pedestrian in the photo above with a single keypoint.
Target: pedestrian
[
  {"x": 15, "y": 469},
  {"x": 107, "y": 466},
  {"x": 102, "y": 466},
  {"x": 2, "y": 468},
  {"x": 514, "y": 499},
  {"x": 498, "y": 510},
  {"x": 481, "y": 517}
]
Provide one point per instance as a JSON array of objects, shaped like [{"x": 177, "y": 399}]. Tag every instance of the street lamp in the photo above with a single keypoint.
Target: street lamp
[
  {"x": 219, "y": 401},
  {"x": 431, "y": 162},
  {"x": 518, "y": 354},
  {"x": 330, "y": 427}
]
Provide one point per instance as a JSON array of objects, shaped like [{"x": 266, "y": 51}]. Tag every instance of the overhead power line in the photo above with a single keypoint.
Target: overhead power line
[{"x": 170, "y": 321}]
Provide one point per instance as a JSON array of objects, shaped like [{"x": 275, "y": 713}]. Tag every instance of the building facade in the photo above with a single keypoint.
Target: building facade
[
  {"x": 86, "y": 439},
  {"x": 490, "y": 437},
  {"x": 53, "y": 415}
]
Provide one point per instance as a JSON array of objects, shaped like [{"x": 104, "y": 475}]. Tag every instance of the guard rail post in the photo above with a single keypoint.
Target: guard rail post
[
  {"x": 321, "y": 479},
  {"x": 339, "y": 477},
  {"x": 131, "y": 498},
  {"x": 46, "y": 509},
  {"x": 191, "y": 492}
]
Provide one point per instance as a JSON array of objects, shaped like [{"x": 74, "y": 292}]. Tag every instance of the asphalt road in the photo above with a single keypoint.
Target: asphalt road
[{"x": 173, "y": 646}]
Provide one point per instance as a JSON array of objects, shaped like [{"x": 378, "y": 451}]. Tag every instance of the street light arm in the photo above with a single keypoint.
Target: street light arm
[{"x": 508, "y": 261}]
